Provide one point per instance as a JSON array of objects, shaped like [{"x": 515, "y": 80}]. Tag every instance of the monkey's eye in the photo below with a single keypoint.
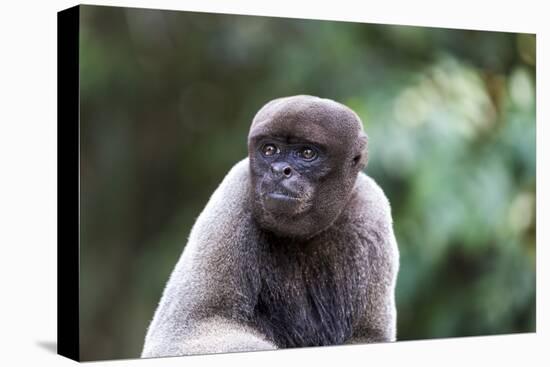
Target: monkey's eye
[
  {"x": 307, "y": 153},
  {"x": 269, "y": 150}
]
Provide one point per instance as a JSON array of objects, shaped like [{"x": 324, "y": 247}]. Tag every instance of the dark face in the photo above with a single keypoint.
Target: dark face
[{"x": 305, "y": 153}]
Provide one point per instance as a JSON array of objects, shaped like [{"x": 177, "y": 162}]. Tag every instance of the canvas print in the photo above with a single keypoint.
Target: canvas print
[{"x": 250, "y": 183}]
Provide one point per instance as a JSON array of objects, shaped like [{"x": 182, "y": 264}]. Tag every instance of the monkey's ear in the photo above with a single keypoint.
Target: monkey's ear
[{"x": 361, "y": 157}]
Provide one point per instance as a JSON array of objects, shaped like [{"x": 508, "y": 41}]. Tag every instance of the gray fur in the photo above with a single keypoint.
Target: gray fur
[{"x": 210, "y": 302}]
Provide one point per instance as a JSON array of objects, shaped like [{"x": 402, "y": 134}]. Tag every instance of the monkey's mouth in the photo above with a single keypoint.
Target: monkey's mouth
[
  {"x": 282, "y": 196},
  {"x": 281, "y": 202}
]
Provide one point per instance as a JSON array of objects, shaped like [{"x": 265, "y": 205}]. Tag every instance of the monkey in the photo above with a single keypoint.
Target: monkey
[{"x": 295, "y": 247}]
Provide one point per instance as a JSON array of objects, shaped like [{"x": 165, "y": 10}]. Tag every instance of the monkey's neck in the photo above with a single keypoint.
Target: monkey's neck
[{"x": 291, "y": 246}]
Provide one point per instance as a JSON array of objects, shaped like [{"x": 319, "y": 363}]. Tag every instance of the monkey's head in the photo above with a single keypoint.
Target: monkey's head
[{"x": 305, "y": 153}]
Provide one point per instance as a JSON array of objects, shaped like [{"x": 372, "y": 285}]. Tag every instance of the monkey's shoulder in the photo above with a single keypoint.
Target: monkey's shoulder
[
  {"x": 226, "y": 216},
  {"x": 368, "y": 208},
  {"x": 368, "y": 220},
  {"x": 364, "y": 228}
]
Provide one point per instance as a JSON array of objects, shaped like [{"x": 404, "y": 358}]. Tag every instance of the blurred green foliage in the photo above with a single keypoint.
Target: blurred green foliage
[{"x": 166, "y": 102}]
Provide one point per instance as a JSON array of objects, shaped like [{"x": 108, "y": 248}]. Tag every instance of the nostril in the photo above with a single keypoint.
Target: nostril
[{"x": 287, "y": 171}]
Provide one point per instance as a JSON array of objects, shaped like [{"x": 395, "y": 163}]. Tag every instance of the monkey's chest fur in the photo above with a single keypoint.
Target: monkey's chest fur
[{"x": 310, "y": 294}]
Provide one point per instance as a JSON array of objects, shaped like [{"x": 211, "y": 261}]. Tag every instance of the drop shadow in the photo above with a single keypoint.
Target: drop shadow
[{"x": 50, "y": 346}]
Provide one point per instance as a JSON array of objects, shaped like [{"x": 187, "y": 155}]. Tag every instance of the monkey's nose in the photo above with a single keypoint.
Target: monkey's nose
[
  {"x": 281, "y": 168},
  {"x": 287, "y": 171}
]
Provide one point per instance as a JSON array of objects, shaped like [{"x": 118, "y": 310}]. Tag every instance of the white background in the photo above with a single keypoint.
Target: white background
[{"x": 28, "y": 181}]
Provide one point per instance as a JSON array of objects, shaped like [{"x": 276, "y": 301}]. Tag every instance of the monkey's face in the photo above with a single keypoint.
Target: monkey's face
[
  {"x": 285, "y": 173},
  {"x": 304, "y": 155}
]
